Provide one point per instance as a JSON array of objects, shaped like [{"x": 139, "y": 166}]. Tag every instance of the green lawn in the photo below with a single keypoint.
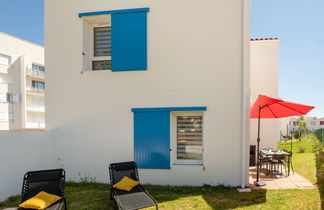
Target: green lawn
[
  {"x": 95, "y": 196},
  {"x": 305, "y": 165},
  {"x": 308, "y": 164},
  {"x": 306, "y": 143}
]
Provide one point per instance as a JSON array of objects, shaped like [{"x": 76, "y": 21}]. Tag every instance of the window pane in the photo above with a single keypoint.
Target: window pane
[
  {"x": 41, "y": 68},
  {"x": 38, "y": 67},
  {"x": 189, "y": 137},
  {"x": 4, "y": 60},
  {"x": 102, "y": 41},
  {"x": 41, "y": 85},
  {"x": 101, "y": 65},
  {"x": 35, "y": 67},
  {"x": 9, "y": 96},
  {"x": 38, "y": 85}
]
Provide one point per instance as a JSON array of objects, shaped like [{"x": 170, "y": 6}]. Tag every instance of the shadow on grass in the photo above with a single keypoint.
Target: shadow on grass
[
  {"x": 320, "y": 174},
  {"x": 215, "y": 197},
  {"x": 92, "y": 196}
]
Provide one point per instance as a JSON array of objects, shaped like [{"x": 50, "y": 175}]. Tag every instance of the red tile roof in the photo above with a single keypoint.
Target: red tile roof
[{"x": 263, "y": 39}]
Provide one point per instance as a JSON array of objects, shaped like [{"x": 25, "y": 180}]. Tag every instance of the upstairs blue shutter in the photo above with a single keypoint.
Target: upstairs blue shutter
[
  {"x": 129, "y": 41},
  {"x": 152, "y": 139}
]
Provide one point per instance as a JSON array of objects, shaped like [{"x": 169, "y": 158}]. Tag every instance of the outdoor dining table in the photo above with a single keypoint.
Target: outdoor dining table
[{"x": 273, "y": 154}]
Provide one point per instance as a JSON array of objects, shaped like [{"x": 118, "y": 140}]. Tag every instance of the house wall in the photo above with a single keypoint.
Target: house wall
[
  {"x": 22, "y": 151},
  {"x": 189, "y": 64},
  {"x": 264, "y": 79}
]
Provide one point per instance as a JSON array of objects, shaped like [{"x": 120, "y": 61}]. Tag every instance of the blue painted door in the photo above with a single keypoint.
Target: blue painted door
[
  {"x": 152, "y": 139},
  {"x": 129, "y": 41}
]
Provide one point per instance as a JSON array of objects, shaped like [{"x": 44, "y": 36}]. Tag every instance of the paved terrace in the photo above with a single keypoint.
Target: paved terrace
[{"x": 294, "y": 181}]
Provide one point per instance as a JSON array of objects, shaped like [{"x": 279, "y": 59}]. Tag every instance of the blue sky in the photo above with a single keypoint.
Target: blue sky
[
  {"x": 300, "y": 26},
  {"x": 23, "y": 18},
  {"x": 298, "y": 23}
]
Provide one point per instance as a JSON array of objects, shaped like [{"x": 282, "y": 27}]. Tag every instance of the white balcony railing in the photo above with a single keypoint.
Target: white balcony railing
[
  {"x": 35, "y": 73},
  {"x": 33, "y": 108},
  {"x": 35, "y": 90},
  {"x": 35, "y": 125}
]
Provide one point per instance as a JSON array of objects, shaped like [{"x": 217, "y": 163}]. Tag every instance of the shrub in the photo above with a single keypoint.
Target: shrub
[
  {"x": 318, "y": 146},
  {"x": 86, "y": 179}
]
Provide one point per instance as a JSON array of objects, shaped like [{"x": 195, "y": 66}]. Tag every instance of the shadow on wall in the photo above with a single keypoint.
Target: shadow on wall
[{"x": 320, "y": 174}]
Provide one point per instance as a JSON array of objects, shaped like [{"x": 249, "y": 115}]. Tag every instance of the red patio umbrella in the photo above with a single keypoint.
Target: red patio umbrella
[{"x": 266, "y": 107}]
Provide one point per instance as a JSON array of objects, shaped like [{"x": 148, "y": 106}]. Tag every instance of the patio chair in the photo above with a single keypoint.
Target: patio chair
[
  {"x": 50, "y": 181},
  {"x": 279, "y": 162},
  {"x": 136, "y": 198},
  {"x": 265, "y": 162}
]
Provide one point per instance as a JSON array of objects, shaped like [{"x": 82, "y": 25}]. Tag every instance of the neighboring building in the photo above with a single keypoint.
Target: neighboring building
[
  {"x": 313, "y": 123},
  {"x": 164, "y": 83},
  {"x": 264, "y": 79},
  {"x": 22, "y": 84}
]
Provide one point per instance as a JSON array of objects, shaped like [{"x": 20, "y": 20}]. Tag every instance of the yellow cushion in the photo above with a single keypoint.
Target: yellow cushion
[
  {"x": 125, "y": 184},
  {"x": 40, "y": 201}
]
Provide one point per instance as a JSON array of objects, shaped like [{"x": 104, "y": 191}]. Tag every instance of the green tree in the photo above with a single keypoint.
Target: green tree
[{"x": 301, "y": 124}]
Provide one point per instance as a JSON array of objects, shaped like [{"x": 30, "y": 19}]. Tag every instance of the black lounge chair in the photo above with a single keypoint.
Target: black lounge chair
[
  {"x": 50, "y": 181},
  {"x": 138, "y": 197}
]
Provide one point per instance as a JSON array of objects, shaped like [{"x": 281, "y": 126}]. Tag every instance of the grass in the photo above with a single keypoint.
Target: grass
[
  {"x": 308, "y": 164},
  {"x": 305, "y": 165},
  {"x": 306, "y": 143},
  {"x": 93, "y": 196}
]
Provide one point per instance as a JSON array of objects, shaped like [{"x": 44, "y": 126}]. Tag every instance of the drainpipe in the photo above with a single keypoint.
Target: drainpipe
[{"x": 245, "y": 94}]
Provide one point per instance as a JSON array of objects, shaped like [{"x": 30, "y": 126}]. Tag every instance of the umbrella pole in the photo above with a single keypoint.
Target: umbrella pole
[
  {"x": 291, "y": 142},
  {"x": 259, "y": 183}
]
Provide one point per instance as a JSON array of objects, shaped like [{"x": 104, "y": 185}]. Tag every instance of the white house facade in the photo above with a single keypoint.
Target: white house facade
[
  {"x": 264, "y": 74},
  {"x": 150, "y": 81},
  {"x": 22, "y": 84}
]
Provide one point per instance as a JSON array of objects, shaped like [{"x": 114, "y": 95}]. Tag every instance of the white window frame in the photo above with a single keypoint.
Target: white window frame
[
  {"x": 173, "y": 143},
  {"x": 9, "y": 59},
  {"x": 97, "y": 58}
]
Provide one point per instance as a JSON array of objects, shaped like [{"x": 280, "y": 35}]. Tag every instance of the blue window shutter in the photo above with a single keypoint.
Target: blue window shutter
[
  {"x": 129, "y": 41},
  {"x": 152, "y": 139}
]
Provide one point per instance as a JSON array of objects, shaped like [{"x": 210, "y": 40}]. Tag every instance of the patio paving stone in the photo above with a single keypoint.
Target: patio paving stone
[{"x": 294, "y": 181}]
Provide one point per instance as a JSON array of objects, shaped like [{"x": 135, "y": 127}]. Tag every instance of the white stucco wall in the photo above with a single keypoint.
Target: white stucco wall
[
  {"x": 264, "y": 61},
  {"x": 284, "y": 126},
  {"x": 190, "y": 63},
  {"x": 22, "y": 151},
  {"x": 15, "y": 47}
]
